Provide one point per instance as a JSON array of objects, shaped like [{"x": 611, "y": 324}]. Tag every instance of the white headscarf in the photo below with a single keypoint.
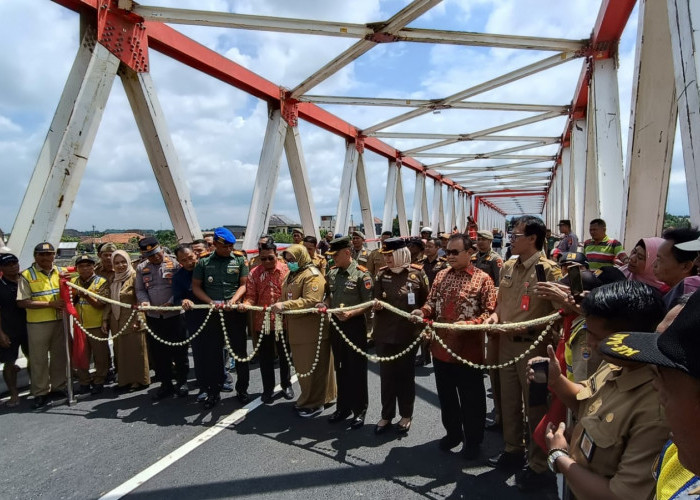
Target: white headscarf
[
  {"x": 402, "y": 259},
  {"x": 119, "y": 279}
]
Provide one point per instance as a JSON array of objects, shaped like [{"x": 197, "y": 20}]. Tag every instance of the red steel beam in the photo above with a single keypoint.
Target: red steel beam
[{"x": 174, "y": 44}]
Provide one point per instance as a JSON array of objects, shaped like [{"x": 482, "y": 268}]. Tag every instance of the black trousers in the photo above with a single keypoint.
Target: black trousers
[
  {"x": 350, "y": 366},
  {"x": 462, "y": 398},
  {"x": 267, "y": 362},
  {"x": 236, "y": 328},
  {"x": 193, "y": 320},
  {"x": 166, "y": 357},
  {"x": 397, "y": 380}
]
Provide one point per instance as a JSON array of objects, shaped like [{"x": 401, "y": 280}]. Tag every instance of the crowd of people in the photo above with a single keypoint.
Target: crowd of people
[{"x": 593, "y": 351}]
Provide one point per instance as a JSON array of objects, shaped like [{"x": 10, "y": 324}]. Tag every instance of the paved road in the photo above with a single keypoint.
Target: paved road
[{"x": 90, "y": 448}]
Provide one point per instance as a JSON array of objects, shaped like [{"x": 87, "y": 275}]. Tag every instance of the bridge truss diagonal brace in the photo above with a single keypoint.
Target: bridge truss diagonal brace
[
  {"x": 300, "y": 182},
  {"x": 161, "y": 153},
  {"x": 365, "y": 203},
  {"x": 342, "y": 218},
  {"x": 59, "y": 169},
  {"x": 401, "y": 206},
  {"x": 265, "y": 179},
  {"x": 652, "y": 126},
  {"x": 577, "y": 181},
  {"x": 684, "y": 21},
  {"x": 450, "y": 215},
  {"x": 437, "y": 207},
  {"x": 392, "y": 174},
  {"x": 418, "y": 195}
]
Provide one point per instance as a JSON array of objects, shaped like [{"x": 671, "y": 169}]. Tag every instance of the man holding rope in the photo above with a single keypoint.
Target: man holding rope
[{"x": 517, "y": 302}]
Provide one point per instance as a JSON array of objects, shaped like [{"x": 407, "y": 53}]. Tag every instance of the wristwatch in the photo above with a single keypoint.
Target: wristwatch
[{"x": 552, "y": 457}]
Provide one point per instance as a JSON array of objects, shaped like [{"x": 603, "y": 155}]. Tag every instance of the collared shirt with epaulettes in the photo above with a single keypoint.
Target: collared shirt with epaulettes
[
  {"x": 154, "y": 284},
  {"x": 221, "y": 276},
  {"x": 621, "y": 428},
  {"x": 361, "y": 256},
  {"x": 518, "y": 280},
  {"x": 489, "y": 262},
  {"x": 431, "y": 268},
  {"x": 350, "y": 286},
  {"x": 375, "y": 261}
]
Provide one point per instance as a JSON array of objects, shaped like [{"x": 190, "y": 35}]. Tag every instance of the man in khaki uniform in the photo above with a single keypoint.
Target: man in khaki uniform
[
  {"x": 297, "y": 236},
  {"x": 376, "y": 258},
  {"x": 517, "y": 302},
  {"x": 319, "y": 260},
  {"x": 359, "y": 252},
  {"x": 104, "y": 266}
]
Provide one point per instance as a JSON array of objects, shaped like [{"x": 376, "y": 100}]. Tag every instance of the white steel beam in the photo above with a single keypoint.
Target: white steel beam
[
  {"x": 464, "y": 137},
  {"x": 425, "y": 215},
  {"x": 365, "y": 204},
  {"x": 565, "y": 182},
  {"x": 450, "y": 216},
  {"x": 488, "y": 131},
  {"x": 409, "y": 13},
  {"x": 401, "y": 206},
  {"x": 579, "y": 138},
  {"x": 59, "y": 169},
  {"x": 499, "y": 81},
  {"x": 441, "y": 214},
  {"x": 437, "y": 201},
  {"x": 430, "y": 104},
  {"x": 390, "y": 196},
  {"x": 652, "y": 127},
  {"x": 349, "y": 30},
  {"x": 161, "y": 153},
  {"x": 462, "y": 156},
  {"x": 684, "y": 21},
  {"x": 459, "y": 213},
  {"x": 607, "y": 147},
  {"x": 417, "y": 203},
  {"x": 300, "y": 182},
  {"x": 483, "y": 168},
  {"x": 265, "y": 179},
  {"x": 342, "y": 214}
]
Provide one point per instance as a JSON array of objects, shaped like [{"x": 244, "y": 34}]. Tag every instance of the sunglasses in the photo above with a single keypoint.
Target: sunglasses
[
  {"x": 267, "y": 259},
  {"x": 454, "y": 253}
]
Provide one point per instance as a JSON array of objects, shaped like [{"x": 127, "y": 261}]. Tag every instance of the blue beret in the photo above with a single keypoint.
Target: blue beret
[{"x": 223, "y": 235}]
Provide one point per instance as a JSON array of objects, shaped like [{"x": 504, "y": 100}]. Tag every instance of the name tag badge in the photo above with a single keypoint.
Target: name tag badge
[
  {"x": 411, "y": 299},
  {"x": 525, "y": 303},
  {"x": 587, "y": 446}
]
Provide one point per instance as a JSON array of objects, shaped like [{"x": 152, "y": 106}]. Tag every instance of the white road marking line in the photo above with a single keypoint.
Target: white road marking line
[{"x": 165, "y": 462}]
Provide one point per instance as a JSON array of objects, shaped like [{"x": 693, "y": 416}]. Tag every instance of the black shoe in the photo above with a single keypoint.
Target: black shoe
[
  {"x": 507, "y": 460},
  {"x": 309, "y": 412},
  {"x": 448, "y": 442},
  {"x": 493, "y": 426},
  {"x": 40, "y": 402},
  {"x": 288, "y": 393},
  {"x": 83, "y": 389},
  {"x": 211, "y": 400},
  {"x": 202, "y": 396},
  {"x": 529, "y": 480},
  {"x": 381, "y": 429},
  {"x": 420, "y": 361},
  {"x": 164, "y": 391},
  {"x": 266, "y": 398},
  {"x": 243, "y": 398},
  {"x": 183, "y": 391},
  {"x": 471, "y": 452},
  {"x": 359, "y": 421},
  {"x": 338, "y": 415},
  {"x": 403, "y": 429},
  {"x": 226, "y": 387},
  {"x": 97, "y": 389},
  {"x": 121, "y": 389},
  {"x": 329, "y": 405}
]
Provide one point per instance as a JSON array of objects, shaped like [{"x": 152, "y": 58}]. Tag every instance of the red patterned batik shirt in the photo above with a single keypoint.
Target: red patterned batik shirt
[
  {"x": 264, "y": 288},
  {"x": 468, "y": 295}
]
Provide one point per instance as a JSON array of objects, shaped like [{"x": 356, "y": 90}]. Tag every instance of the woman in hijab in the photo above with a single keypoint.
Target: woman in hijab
[
  {"x": 405, "y": 286},
  {"x": 303, "y": 288},
  {"x": 130, "y": 355},
  {"x": 641, "y": 264}
]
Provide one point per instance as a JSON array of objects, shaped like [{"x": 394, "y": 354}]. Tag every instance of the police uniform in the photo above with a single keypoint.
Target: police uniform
[
  {"x": 91, "y": 319},
  {"x": 620, "y": 428},
  {"x": 154, "y": 284},
  {"x": 220, "y": 278},
  {"x": 407, "y": 291},
  {"x": 47, "y": 342},
  {"x": 349, "y": 287},
  {"x": 517, "y": 302}
]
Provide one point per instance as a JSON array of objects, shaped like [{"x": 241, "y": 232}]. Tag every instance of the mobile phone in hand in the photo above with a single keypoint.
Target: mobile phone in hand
[
  {"x": 539, "y": 271},
  {"x": 575, "y": 280},
  {"x": 537, "y": 392}
]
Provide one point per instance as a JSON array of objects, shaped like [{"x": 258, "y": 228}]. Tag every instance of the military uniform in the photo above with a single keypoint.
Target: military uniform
[
  {"x": 407, "y": 291},
  {"x": 361, "y": 256},
  {"x": 516, "y": 303},
  {"x": 154, "y": 284},
  {"x": 349, "y": 287},
  {"x": 220, "y": 278},
  {"x": 489, "y": 262},
  {"x": 620, "y": 429}
]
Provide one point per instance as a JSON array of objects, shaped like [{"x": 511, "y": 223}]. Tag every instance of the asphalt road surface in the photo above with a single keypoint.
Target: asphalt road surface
[{"x": 128, "y": 446}]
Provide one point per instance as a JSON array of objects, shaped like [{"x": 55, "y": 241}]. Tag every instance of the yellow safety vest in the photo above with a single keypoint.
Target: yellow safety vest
[
  {"x": 44, "y": 289},
  {"x": 90, "y": 316}
]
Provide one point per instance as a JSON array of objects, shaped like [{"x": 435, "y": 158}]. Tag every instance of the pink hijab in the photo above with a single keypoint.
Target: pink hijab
[{"x": 647, "y": 276}]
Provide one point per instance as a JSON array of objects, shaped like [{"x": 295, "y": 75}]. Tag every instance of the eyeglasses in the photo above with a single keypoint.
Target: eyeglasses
[
  {"x": 454, "y": 253},
  {"x": 266, "y": 259},
  {"x": 515, "y": 236}
]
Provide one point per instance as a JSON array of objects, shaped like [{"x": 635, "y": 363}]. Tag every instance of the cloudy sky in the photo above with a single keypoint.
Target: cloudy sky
[{"x": 218, "y": 130}]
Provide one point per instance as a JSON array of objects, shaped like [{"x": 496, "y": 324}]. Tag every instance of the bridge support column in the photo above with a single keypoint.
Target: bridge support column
[
  {"x": 300, "y": 182},
  {"x": 459, "y": 216},
  {"x": 401, "y": 205},
  {"x": 418, "y": 194},
  {"x": 392, "y": 174},
  {"x": 365, "y": 205},
  {"x": 437, "y": 204},
  {"x": 342, "y": 214},
  {"x": 59, "y": 169},
  {"x": 579, "y": 137},
  {"x": 450, "y": 220},
  {"x": 684, "y": 21},
  {"x": 565, "y": 184}
]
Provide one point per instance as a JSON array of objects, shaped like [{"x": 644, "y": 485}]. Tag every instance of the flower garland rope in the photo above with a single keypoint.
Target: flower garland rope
[{"x": 279, "y": 333}]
